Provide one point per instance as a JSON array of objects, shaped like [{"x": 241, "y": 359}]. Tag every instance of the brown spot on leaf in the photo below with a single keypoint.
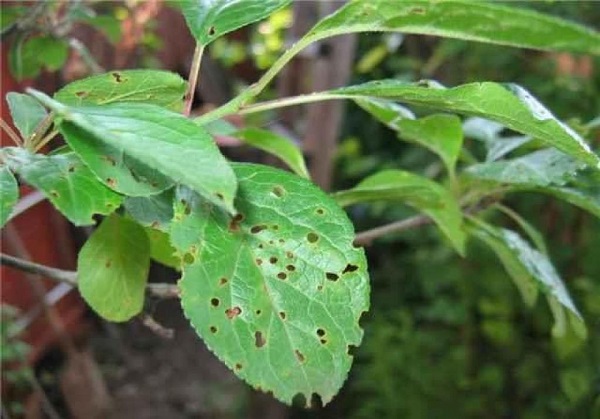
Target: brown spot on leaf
[
  {"x": 299, "y": 355},
  {"x": 238, "y": 366},
  {"x": 290, "y": 255},
  {"x": 223, "y": 281},
  {"x": 117, "y": 77},
  {"x": 108, "y": 263},
  {"x": 320, "y": 332},
  {"x": 213, "y": 329},
  {"x": 111, "y": 182},
  {"x": 312, "y": 237},
  {"x": 233, "y": 312},
  {"x": 234, "y": 224},
  {"x": 273, "y": 260},
  {"x": 282, "y": 276},
  {"x": 282, "y": 315},
  {"x": 320, "y": 211},
  {"x": 188, "y": 258},
  {"x": 211, "y": 31},
  {"x": 258, "y": 228},
  {"x": 290, "y": 268},
  {"x": 259, "y": 261},
  {"x": 214, "y": 302},
  {"x": 155, "y": 224},
  {"x": 81, "y": 94},
  {"x": 54, "y": 194},
  {"x": 259, "y": 340},
  {"x": 331, "y": 276},
  {"x": 71, "y": 169},
  {"x": 278, "y": 191}
]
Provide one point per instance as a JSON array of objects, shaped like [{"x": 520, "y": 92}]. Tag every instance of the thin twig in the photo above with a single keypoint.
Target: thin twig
[
  {"x": 86, "y": 56},
  {"x": 156, "y": 328},
  {"x": 45, "y": 141},
  {"x": 70, "y": 277},
  {"x": 193, "y": 79},
  {"x": 365, "y": 238},
  {"x": 11, "y": 133}
]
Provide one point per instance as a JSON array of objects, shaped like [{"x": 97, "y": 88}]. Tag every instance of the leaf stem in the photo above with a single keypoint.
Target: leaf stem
[
  {"x": 11, "y": 133},
  {"x": 366, "y": 237},
  {"x": 70, "y": 277},
  {"x": 37, "y": 147},
  {"x": 290, "y": 101},
  {"x": 193, "y": 79}
]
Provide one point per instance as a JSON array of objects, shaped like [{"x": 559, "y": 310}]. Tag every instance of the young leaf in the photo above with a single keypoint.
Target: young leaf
[
  {"x": 531, "y": 270},
  {"x": 442, "y": 134},
  {"x": 26, "y": 112},
  {"x": 276, "y": 145},
  {"x": 510, "y": 105},
  {"x": 386, "y": 111},
  {"x": 113, "y": 268},
  {"x": 9, "y": 194},
  {"x": 416, "y": 191},
  {"x": 161, "y": 140},
  {"x": 489, "y": 132},
  {"x": 210, "y": 19},
  {"x": 277, "y": 291},
  {"x": 540, "y": 168},
  {"x": 154, "y": 211},
  {"x": 71, "y": 187},
  {"x": 468, "y": 20},
  {"x": 161, "y": 88}
]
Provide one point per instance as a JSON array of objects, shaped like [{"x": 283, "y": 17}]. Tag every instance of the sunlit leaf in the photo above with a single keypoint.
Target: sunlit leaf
[
  {"x": 277, "y": 291},
  {"x": 112, "y": 269}
]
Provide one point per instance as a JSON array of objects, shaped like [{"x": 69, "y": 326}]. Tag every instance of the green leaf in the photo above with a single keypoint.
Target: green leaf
[
  {"x": 413, "y": 190},
  {"x": 154, "y": 211},
  {"x": 468, "y": 20},
  {"x": 540, "y": 168},
  {"x": 9, "y": 194},
  {"x": 26, "y": 113},
  {"x": 161, "y": 249},
  {"x": 71, "y": 187},
  {"x": 442, "y": 134},
  {"x": 489, "y": 132},
  {"x": 31, "y": 55},
  {"x": 510, "y": 105},
  {"x": 276, "y": 145},
  {"x": 531, "y": 270},
  {"x": 277, "y": 291},
  {"x": 112, "y": 268},
  {"x": 161, "y": 140},
  {"x": 210, "y": 19},
  {"x": 386, "y": 111},
  {"x": 161, "y": 88}
]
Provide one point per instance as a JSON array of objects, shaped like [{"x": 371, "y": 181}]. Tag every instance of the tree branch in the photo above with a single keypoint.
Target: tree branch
[
  {"x": 193, "y": 79},
  {"x": 70, "y": 277},
  {"x": 365, "y": 238}
]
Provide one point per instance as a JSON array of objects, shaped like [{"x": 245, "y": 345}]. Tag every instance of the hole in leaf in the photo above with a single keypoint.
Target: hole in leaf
[
  {"x": 320, "y": 211},
  {"x": 299, "y": 355},
  {"x": 260, "y": 246},
  {"x": 71, "y": 169},
  {"x": 258, "y": 312},
  {"x": 214, "y": 302},
  {"x": 278, "y": 191},
  {"x": 213, "y": 329},
  {"x": 223, "y": 281},
  {"x": 258, "y": 228},
  {"x": 233, "y": 312},
  {"x": 238, "y": 366},
  {"x": 323, "y": 341},
  {"x": 290, "y": 268},
  {"x": 282, "y": 315},
  {"x": 282, "y": 276},
  {"x": 331, "y": 276},
  {"x": 211, "y": 31},
  {"x": 351, "y": 350},
  {"x": 117, "y": 77},
  {"x": 312, "y": 237},
  {"x": 188, "y": 258},
  {"x": 108, "y": 263},
  {"x": 259, "y": 261},
  {"x": 349, "y": 268},
  {"x": 315, "y": 401},
  {"x": 111, "y": 182},
  {"x": 234, "y": 224},
  {"x": 259, "y": 340},
  {"x": 273, "y": 260},
  {"x": 320, "y": 332}
]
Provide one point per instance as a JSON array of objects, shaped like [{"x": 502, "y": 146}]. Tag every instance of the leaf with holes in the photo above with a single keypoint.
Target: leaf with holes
[
  {"x": 416, "y": 191},
  {"x": 9, "y": 193},
  {"x": 161, "y": 249},
  {"x": 160, "y": 140},
  {"x": 531, "y": 270},
  {"x": 278, "y": 290},
  {"x": 510, "y": 105},
  {"x": 112, "y": 269},
  {"x": 468, "y": 20},
  {"x": 68, "y": 184},
  {"x": 161, "y": 88},
  {"x": 26, "y": 112},
  {"x": 540, "y": 168},
  {"x": 276, "y": 145},
  {"x": 210, "y": 19}
]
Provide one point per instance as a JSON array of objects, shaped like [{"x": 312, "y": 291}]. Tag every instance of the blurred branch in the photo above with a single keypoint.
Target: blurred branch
[
  {"x": 70, "y": 277},
  {"x": 365, "y": 238},
  {"x": 193, "y": 79}
]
